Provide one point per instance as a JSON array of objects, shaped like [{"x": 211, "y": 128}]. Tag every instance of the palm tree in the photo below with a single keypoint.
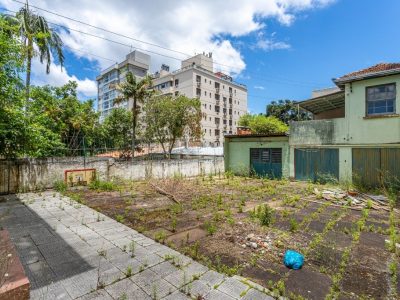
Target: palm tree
[
  {"x": 138, "y": 91},
  {"x": 34, "y": 30}
]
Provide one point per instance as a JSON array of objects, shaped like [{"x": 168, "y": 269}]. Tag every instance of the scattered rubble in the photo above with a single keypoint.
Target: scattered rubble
[
  {"x": 256, "y": 242},
  {"x": 353, "y": 198}
]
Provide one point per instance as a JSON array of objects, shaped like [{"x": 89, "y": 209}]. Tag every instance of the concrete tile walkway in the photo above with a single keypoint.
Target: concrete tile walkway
[{"x": 70, "y": 251}]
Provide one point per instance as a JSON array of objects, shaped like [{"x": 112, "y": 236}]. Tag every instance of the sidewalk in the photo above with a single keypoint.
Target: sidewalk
[{"x": 70, "y": 251}]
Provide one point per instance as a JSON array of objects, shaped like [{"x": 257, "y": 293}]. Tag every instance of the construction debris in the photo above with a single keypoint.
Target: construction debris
[{"x": 353, "y": 198}]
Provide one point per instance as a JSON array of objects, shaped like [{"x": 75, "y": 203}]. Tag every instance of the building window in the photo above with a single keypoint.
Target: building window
[
  {"x": 205, "y": 93},
  {"x": 205, "y": 80},
  {"x": 216, "y": 120},
  {"x": 176, "y": 82},
  {"x": 381, "y": 99},
  {"x": 210, "y": 95},
  {"x": 216, "y": 108}
]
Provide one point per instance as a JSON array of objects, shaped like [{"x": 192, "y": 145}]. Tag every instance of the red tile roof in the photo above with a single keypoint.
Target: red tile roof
[{"x": 374, "y": 69}]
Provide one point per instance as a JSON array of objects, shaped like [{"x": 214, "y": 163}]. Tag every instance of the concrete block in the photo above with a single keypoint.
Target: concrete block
[
  {"x": 123, "y": 287},
  {"x": 233, "y": 288},
  {"x": 212, "y": 278},
  {"x": 254, "y": 294}
]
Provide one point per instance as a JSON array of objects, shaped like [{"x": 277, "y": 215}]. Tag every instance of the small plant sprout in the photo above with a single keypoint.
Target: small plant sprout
[
  {"x": 132, "y": 248},
  {"x": 128, "y": 271}
]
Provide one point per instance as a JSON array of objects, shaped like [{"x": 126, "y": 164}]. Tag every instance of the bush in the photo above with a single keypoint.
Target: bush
[
  {"x": 324, "y": 178},
  {"x": 60, "y": 186},
  {"x": 99, "y": 185},
  {"x": 264, "y": 214},
  {"x": 210, "y": 227}
]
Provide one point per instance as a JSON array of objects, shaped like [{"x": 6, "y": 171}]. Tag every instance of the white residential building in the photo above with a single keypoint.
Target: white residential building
[
  {"x": 136, "y": 62},
  {"x": 223, "y": 101}
]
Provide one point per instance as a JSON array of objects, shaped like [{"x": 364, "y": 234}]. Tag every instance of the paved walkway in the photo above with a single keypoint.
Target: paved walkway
[{"x": 70, "y": 251}]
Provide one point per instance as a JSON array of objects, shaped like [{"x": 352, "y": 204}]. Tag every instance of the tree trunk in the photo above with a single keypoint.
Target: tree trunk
[
  {"x": 134, "y": 126},
  {"x": 28, "y": 71}
]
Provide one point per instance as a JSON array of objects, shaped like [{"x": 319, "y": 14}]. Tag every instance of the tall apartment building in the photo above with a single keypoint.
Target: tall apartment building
[
  {"x": 136, "y": 62},
  {"x": 223, "y": 101}
]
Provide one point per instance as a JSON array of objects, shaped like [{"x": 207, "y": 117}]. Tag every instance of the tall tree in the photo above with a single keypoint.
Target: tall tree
[
  {"x": 286, "y": 111},
  {"x": 118, "y": 129},
  {"x": 138, "y": 92},
  {"x": 167, "y": 119},
  {"x": 260, "y": 124},
  {"x": 35, "y": 31}
]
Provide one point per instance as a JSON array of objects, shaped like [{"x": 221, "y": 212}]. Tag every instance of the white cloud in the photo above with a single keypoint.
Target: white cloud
[
  {"x": 259, "y": 87},
  {"x": 58, "y": 77},
  {"x": 269, "y": 43},
  {"x": 186, "y": 26}
]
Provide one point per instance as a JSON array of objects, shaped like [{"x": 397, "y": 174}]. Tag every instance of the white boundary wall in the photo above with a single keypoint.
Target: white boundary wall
[{"x": 32, "y": 174}]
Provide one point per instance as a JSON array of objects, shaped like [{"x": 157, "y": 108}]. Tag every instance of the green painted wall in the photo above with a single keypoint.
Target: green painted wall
[
  {"x": 367, "y": 131},
  {"x": 237, "y": 152},
  {"x": 354, "y": 130}
]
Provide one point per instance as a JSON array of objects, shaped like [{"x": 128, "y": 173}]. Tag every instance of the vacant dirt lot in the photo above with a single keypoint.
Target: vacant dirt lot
[{"x": 223, "y": 222}]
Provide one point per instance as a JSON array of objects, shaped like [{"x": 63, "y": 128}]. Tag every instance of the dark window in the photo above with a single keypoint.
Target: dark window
[
  {"x": 255, "y": 154},
  {"x": 381, "y": 99},
  {"x": 276, "y": 155},
  {"x": 265, "y": 157},
  {"x": 216, "y": 108},
  {"x": 176, "y": 82},
  {"x": 216, "y": 120}
]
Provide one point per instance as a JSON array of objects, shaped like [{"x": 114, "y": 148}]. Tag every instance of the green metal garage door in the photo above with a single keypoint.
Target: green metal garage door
[
  {"x": 312, "y": 164},
  {"x": 266, "y": 162},
  {"x": 374, "y": 166}
]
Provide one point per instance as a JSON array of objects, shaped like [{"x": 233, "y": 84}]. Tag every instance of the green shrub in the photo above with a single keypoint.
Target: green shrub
[
  {"x": 264, "y": 214},
  {"x": 160, "y": 236},
  {"x": 60, "y": 186},
  {"x": 99, "y": 185},
  {"x": 120, "y": 218},
  {"x": 293, "y": 225},
  {"x": 210, "y": 227}
]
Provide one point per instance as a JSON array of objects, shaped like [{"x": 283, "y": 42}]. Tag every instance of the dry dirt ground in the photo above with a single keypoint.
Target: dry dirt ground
[{"x": 217, "y": 222}]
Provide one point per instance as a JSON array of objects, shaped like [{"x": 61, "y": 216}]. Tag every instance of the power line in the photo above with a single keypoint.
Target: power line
[{"x": 283, "y": 81}]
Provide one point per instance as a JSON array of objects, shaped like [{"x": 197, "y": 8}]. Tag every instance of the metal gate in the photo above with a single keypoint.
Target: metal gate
[
  {"x": 266, "y": 162},
  {"x": 313, "y": 164},
  {"x": 374, "y": 166},
  {"x": 8, "y": 177}
]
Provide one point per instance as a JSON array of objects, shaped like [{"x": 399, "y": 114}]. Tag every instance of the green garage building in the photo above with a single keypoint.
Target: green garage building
[{"x": 355, "y": 133}]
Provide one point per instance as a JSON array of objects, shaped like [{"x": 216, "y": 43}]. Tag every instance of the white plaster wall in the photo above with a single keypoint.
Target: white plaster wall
[{"x": 43, "y": 173}]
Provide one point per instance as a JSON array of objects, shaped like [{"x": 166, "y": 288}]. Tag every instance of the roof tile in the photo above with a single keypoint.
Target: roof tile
[{"x": 376, "y": 68}]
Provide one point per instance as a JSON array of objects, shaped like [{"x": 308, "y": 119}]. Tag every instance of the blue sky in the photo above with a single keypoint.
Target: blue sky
[
  {"x": 283, "y": 48},
  {"x": 326, "y": 43}
]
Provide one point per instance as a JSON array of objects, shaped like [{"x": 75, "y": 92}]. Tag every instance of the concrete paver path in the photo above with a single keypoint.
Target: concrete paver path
[{"x": 70, "y": 251}]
